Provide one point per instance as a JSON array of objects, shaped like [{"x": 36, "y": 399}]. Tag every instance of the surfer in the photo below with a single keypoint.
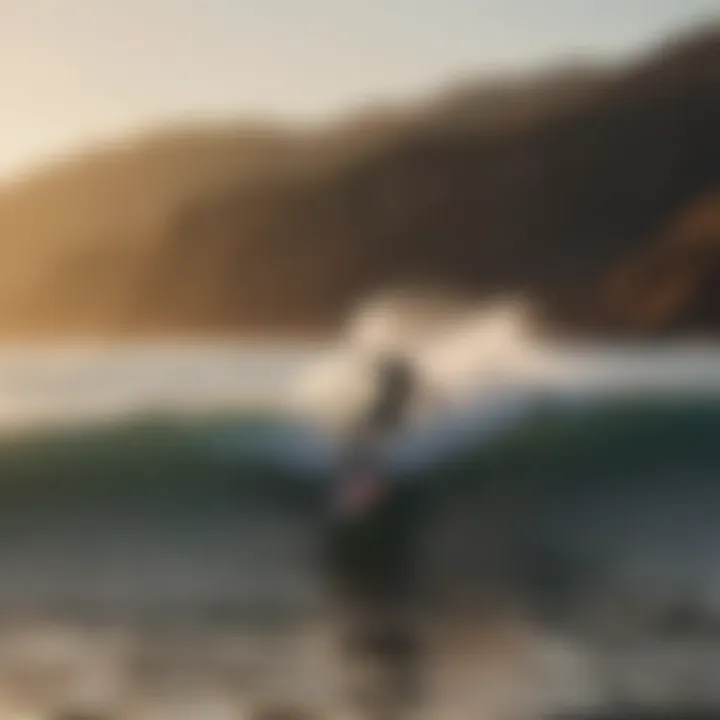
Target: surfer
[{"x": 371, "y": 551}]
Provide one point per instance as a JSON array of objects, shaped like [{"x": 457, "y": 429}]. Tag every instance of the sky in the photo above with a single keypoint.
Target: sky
[{"x": 77, "y": 72}]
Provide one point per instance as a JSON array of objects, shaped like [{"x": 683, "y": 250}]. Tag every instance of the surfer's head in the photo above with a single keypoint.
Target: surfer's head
[
  {"x": 395, "y": 376},
  {"x": 392, "y": 365}
]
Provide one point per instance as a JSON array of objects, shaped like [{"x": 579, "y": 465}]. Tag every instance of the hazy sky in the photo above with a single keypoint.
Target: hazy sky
[{"x": 75, "y": 71}]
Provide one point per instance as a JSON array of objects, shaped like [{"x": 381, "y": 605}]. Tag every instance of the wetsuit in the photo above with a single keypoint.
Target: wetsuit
[
  {"x": 371, "y": 544},
  {"x": 368, "y": 544}
]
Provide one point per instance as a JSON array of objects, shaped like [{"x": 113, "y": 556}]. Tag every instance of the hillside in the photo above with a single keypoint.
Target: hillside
[{"x": 579, "y": 188}]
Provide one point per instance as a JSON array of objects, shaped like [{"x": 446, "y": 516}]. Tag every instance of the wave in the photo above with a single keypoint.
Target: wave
[{"x": 535, "y": 436}]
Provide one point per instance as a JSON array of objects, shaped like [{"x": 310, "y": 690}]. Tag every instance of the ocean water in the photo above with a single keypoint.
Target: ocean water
[
  {"x": 144, "y": 571},
  {"x": 160, "y": 527}
]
